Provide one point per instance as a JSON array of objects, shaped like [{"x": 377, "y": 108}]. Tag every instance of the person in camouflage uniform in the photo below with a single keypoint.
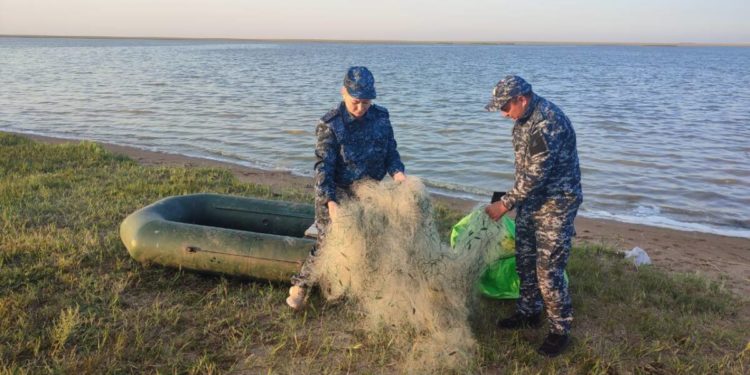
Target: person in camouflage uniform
[
  {"x": 546, "y": 195},
  {"x": 355, "y": 142}
]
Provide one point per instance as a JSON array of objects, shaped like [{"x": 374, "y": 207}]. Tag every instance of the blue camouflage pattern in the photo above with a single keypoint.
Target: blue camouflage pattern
[
  {"x": 360, "y": 83},
  {"x": 350, "y": 149},
  {"x": 546, "y": 159},
  {"x": 546, "y": 194},
  {"x": 544, "y": 237}
]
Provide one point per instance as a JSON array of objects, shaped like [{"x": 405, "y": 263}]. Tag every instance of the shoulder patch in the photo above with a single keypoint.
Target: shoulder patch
[
  {"x": 379, "y": 109},
  {"x": 537, "y": 144},
  {"x": 330, "y": 115}
]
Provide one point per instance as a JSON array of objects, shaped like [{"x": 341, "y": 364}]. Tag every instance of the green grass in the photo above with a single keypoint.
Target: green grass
[{"x": 73, "y": 301}]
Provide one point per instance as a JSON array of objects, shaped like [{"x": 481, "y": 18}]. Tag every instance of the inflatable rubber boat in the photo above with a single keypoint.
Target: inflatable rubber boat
[{"x": 222, "y": 234}]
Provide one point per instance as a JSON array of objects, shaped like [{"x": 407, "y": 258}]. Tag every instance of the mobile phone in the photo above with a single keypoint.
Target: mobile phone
[{"x": 496, "y": 196}]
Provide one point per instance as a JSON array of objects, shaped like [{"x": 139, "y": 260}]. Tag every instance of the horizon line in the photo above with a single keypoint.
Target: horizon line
[{"x": 391, "y": 41}]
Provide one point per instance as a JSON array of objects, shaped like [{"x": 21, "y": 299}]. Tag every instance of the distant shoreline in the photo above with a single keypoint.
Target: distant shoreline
[{"x": 386, "y": 41}]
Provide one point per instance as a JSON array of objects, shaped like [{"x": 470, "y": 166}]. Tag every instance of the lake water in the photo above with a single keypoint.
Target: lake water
[{"x": 663, "y": 132}]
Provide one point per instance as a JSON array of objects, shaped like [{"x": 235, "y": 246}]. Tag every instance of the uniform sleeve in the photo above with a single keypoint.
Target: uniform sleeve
[
  {"x": 393, "y": 162},
  {"x": 326, "y": 150},
  {"x": 542, "y": 148}
]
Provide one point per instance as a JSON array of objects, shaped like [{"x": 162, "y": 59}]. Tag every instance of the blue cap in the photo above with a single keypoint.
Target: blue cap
[
  {"x": 360, "y": 83},
  {"x": 507, "y": 89}
]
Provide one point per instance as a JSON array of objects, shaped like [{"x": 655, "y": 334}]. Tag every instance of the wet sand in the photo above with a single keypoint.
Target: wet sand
[{"x": 721, "y": 258}]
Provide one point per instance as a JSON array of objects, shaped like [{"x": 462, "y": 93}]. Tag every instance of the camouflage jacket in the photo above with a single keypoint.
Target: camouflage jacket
[
  {"x": 546, "y": 157},
  {"x": 348, "y": 150}
]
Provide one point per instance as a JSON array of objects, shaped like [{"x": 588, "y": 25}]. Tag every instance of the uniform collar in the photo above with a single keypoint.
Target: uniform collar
[
  {"x": 529, "y": 110},
  {"x": 348, "y": 118}
]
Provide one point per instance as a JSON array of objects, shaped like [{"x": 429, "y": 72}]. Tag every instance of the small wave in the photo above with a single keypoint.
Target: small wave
[
  {"x": 646, "y": 211},
  {"x": 212, "y": 114},
  {"x": 158, "y": 84},
  {"x": 55, "y": 112},
  {"x": 665, "y": 222},
  {"x": 225, "y": 157},
  {"x": 457, "y": 191},
  {"x": 636, "y": 163},
  {"x": 145, "y": 137},
  {"x": 230, "y": 115},
  {"x": 77, "y": 138},
  {"x": 135, "y": 111},
  {"x": 448, "y": 130},
  {"x": 724, "y": 181},
  {"x": 619, "y": 198},
  {"x": 617, "y": 128},
  {"x": 209, "y": 154}
]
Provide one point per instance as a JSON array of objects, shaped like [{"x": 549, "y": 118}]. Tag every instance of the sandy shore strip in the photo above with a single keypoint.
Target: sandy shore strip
[{"x": 721, "y": 258}]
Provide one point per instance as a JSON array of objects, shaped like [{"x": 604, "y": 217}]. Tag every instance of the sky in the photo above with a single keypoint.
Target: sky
[{"x": 620, "y": 21}]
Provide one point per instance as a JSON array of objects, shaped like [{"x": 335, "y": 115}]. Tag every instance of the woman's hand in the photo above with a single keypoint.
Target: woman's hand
[{"x": 333, "y": 209}]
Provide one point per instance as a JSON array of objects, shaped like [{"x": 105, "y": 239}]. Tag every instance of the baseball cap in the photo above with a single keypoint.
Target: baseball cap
[
  {"x": 505, "y": 90},
  {"x": 360, "y": 83}
]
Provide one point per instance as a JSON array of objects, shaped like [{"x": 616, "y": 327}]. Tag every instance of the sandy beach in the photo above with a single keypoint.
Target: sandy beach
[{"x": 720, "y": 258}]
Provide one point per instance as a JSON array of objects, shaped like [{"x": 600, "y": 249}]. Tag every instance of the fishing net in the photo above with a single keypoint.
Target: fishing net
[{"x": 383, "y": 251}]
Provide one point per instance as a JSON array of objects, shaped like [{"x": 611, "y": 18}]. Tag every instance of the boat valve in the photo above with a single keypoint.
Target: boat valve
[{"x": 192, "y": 249}]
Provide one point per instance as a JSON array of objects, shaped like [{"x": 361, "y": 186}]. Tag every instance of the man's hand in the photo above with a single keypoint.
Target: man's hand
[
  {"x": 496, "y": 210},
  {"x": 399, "y": 177},
  {"x": 333, "y": 208}
]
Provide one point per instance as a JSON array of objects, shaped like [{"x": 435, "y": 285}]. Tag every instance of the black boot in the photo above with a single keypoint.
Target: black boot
[
  {"x": 554, "y": 344},
  {"x": 518, "y": 320}
]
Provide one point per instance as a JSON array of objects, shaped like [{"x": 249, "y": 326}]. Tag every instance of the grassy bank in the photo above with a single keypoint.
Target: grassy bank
[{"x": 72, "y": 300}]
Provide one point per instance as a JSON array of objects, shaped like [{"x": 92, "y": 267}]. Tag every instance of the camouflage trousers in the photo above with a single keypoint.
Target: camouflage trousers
[
  {"x": 322, "y": 221},
  {"x": 544, "y": 232}
]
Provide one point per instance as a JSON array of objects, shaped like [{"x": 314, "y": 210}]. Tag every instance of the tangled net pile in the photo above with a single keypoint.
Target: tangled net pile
[{"x": 383, "y": 250}]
